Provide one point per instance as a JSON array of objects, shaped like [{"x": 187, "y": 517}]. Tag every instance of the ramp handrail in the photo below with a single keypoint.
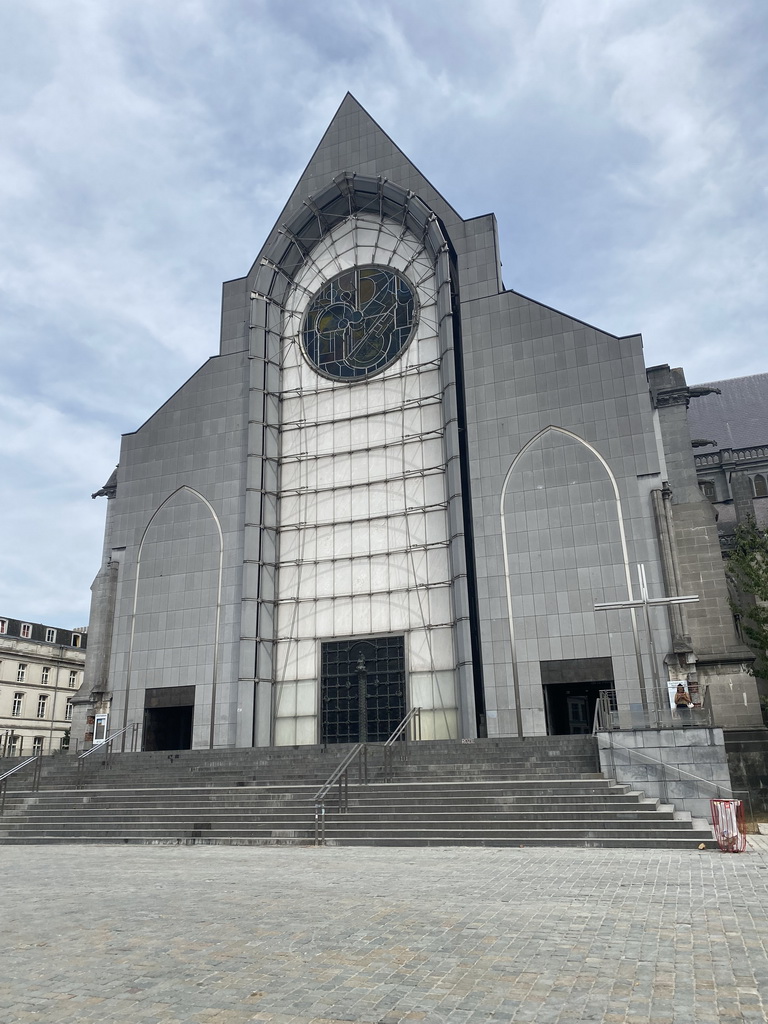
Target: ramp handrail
[
  {"x": 680, "y": 771},
  {"x": 37, "y": 759}
]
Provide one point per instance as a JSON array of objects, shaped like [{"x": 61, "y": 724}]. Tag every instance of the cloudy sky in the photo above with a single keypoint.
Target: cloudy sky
[{"x": 147, "y": 146}]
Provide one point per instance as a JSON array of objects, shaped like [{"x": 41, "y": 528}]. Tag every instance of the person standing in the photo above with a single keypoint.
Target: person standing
[{"x": 683, "y": 704}]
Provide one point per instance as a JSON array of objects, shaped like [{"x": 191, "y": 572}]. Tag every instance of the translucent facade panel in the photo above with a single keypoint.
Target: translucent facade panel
[
  {"x": 363, "y": 520},
  {"x": 285, "y": 731},
  {"x": 432, "y": 690},
  {"x": 285, "y": 700},
  {"x": 306, "y": 730},
  {"x": 439, "y": 725},
  {"x": 306, "y": 698}
]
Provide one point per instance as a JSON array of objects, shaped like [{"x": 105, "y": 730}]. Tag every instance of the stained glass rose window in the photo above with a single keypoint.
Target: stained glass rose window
[{"x": 359, "y": 322}]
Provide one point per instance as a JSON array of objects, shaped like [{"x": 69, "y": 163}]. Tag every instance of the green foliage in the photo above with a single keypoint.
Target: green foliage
[{"x": 747, "y": 571}]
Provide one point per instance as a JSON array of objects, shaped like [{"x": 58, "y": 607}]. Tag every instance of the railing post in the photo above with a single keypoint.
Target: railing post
[
  {"x": 343, "y": 790},
  {"x": 320, "y": 824},
  {"x": 35, "y": 761},
  {"x": 359, "y": 753}
]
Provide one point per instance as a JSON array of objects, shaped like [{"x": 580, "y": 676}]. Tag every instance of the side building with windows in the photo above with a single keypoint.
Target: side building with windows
[{"x": 41, "y": 671}]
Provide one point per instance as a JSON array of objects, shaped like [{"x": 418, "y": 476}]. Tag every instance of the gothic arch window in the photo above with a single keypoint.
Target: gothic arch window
[
  {"x": 177, "y": 599},
  {"x": 761, "y": 488},
  {"x": 565, "y": 549},
  {"x": 707, "y": 488}
]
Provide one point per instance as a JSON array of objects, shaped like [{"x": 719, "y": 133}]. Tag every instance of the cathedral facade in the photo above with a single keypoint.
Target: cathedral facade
[{"x": 399, "y": 484}]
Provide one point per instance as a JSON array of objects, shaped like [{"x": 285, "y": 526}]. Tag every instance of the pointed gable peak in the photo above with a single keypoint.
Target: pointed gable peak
[{"x": 354, "y": 142}]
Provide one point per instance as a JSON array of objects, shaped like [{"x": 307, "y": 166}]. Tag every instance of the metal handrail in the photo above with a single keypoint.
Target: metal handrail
[
  {"x": 38, "y": 762},
  {"x": 338, "y": 771},
  {"x": 401, "y": 733},
  {"x": 340, "y": 774},
  {"x": 596, "y": 716},
  {"x": 680, "y": 771},
  {"x": 609, "y": 717},
  {"x": 106, "y": 748},
  {"x": 109, "y": 739},
  {"x": 413, "y": 715}
]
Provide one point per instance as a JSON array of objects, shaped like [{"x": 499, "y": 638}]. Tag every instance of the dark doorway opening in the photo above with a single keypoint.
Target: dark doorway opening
[
  {"x": 571, "y": 690},
  {"x": 168, "y": 716},
  {"x": 571, "y": 707},
  {"x": 363, "y": 689}
]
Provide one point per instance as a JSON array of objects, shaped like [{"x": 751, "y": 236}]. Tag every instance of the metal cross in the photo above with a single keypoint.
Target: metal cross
[{"x": 645, "y": 602}]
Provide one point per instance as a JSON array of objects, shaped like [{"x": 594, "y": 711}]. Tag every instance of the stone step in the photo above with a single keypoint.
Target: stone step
[
  {"x": 587, "y": 836},
  {"x": 154, "y": 781},
  {"x": 388, "y": 811},
  {"x": 552, "y": 842},
  {"x": 353, "y": 824},
  {"x": 501, "y": 793},
  {"x": 245, "y": 798},
  {"x": 570, "y": 784}
]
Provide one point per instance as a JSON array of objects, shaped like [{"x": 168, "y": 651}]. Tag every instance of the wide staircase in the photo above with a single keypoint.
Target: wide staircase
[{"x": 543, "y": 791}]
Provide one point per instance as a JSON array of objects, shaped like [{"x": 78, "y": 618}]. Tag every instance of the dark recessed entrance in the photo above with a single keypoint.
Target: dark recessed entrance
[
  {"x": 363, "y": 689},
  {"x": 168, "y": 715},
  {"x": 571, "y": 690}
]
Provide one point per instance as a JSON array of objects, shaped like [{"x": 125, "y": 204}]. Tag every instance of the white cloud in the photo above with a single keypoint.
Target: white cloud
[{"x": 146, "y": 149}]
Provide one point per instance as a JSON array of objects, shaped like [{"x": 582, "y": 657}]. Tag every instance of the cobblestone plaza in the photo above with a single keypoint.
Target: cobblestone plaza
[{"x": 224, "y": 935}]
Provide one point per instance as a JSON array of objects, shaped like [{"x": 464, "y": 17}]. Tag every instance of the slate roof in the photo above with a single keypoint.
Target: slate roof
[{"x": 736, "y": 418}]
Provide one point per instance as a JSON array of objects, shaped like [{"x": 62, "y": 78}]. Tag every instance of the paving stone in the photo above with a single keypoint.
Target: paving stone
[{"x": 229, "y": 935}]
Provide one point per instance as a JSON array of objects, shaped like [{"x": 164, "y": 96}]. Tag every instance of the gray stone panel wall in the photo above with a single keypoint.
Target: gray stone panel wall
[
  {"x": 477, "y": 247},
  {"x": 731, "y": 691},
  {"x": 661, "y": 762},
  {"x": 748, "y": 764},
  {"x": 195, "y": 441},
  {"x": 234, "y": 316},
  {"x": 710, "y": 621},
  {"x": 528, "y": 367}
]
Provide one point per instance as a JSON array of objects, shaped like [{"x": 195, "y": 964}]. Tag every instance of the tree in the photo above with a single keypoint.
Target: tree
[{"x": 747, "y": 571}]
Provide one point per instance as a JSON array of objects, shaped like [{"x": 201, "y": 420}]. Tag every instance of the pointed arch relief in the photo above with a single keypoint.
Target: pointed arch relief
[
  {"x": 177, "y": 602},
  {"x": 564, "y": 549}
]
